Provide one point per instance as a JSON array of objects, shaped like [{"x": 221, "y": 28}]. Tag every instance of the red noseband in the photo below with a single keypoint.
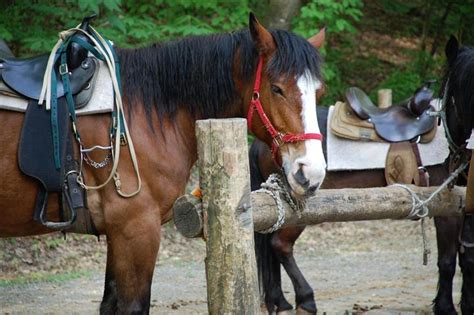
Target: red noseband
[{"x": 279, "y": 138}]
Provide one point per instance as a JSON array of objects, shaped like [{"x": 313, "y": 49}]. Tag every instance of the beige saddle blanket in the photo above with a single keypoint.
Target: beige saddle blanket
[
  {"x": 102, "y": 99},
  {"x": 344, "y": 154}
]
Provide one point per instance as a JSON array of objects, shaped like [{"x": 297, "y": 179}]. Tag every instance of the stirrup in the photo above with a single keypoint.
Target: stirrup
[{"x": 56, "y": 225}]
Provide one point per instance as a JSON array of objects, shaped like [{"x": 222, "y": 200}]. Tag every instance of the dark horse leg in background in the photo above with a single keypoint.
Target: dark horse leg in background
[
  {"x": 447, "y": 232},
  {"x": 277, "y": 248},
  {"x": 466, "y": 261}
]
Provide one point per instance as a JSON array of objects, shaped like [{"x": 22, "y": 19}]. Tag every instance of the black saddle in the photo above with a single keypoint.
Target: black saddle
[
  {"x": 46, "y": 148},
  {"x": 401, "y": 122},
  {"x": 25, "y": 76}
]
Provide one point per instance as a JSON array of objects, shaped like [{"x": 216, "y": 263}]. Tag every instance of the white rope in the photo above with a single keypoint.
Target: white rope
[
  {"x": 420, "y": 209},
  {"x": 109, "y": 58},
  {"x": 275, "y": 187}
]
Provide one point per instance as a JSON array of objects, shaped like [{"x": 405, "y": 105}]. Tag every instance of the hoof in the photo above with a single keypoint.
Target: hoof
[{"x": 302, "y": 311}]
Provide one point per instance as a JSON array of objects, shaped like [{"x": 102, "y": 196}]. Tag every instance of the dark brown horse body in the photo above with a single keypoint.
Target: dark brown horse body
[
  {"x": 166, "y": 88},
  {"x": 276, "y": 249}
]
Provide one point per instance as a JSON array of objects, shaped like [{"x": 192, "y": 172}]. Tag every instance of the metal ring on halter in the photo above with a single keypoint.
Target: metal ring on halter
[{"x": 256, "y": 95}]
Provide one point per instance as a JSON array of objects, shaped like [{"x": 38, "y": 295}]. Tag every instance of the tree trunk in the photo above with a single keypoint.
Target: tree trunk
[{"x": 282, "y": 12}]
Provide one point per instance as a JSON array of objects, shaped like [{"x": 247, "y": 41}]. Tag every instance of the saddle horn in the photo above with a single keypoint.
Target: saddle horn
[{"x": 75, "y": 52}]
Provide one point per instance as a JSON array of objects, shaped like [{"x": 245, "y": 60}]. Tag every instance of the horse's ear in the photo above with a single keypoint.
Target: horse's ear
[
  {"x": 451, "y": 49},
  {"x": 318, "y": 40},
  {"x": 261, "y": 37}
]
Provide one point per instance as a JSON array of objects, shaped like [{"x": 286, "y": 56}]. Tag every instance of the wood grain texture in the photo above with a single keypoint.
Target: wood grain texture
[
  {"x": 340, "y": 205},
  {"x": 224, "y": 179}
]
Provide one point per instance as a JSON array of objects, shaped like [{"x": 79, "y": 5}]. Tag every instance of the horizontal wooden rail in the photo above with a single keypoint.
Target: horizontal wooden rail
[{"x": 330, "y": 205}]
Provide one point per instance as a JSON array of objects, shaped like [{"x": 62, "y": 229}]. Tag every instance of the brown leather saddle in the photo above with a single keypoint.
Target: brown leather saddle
[
  {"x": 402, "y": 125},
  {"x": 402, "y": 122}
]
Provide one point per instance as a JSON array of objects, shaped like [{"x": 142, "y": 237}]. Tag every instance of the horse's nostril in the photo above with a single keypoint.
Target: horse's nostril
[
  {"x": 313, "y": 188},
  {"x": 301, "y": 179}
]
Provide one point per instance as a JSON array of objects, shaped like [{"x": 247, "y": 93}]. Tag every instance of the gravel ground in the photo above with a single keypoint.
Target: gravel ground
[{"x": 352, "y": 266}]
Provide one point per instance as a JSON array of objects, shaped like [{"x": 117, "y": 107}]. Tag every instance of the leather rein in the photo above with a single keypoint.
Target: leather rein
[{"x": 279, "y": 138}]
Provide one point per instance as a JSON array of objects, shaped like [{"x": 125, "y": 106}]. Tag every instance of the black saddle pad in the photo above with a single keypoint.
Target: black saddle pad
[{"x": 36, "y": 149}]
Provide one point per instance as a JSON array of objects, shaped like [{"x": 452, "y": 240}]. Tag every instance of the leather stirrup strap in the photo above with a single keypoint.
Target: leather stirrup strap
[
  {"x": 469, "y": 208},
  {"x": 424, "y": 177}
]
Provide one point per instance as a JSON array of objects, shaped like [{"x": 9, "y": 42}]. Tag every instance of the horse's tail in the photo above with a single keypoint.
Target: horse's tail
[{"x": 268, "y": 267}]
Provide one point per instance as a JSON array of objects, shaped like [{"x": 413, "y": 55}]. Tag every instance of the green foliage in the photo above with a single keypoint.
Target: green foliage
[
  {"x": 34, "y": 28},
  {"x": 339, "y": 17}
]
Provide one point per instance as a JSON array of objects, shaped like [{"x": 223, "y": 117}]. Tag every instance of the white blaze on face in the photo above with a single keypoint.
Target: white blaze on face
[{"x": 312, "y": 161}]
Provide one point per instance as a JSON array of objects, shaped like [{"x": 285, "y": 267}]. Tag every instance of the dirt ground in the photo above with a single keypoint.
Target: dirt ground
[{"x": 374, "y": 266}]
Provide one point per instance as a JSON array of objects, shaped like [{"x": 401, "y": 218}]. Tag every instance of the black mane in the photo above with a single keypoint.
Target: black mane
[
  {"x": 196, "y": 72},
  {"x": 459, "y": 77}
]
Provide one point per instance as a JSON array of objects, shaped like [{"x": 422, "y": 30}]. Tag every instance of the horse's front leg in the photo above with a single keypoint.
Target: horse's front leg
[
  {"x": 282, "y": 244},
  {"x": 133, "y": 240},
  {"x": 109, "y": 300},
  {"x": 466, "y": 261},
  {"x": 447, "y": 231}
]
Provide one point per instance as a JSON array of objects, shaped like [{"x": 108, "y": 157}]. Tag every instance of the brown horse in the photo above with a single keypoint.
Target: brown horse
[
  {"x": 167, "y": 87},
  {"x": 273, "y": 250}
]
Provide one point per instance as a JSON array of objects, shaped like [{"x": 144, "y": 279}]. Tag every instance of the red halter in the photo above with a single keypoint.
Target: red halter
[{"x": 279, "y": 138}]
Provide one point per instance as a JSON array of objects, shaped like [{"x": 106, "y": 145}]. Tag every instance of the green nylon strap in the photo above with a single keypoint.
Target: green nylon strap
[
  {"x": 88, "y": 47},
  {"x": 68, "y": 93},
  {"x": 54, "y": 108}
]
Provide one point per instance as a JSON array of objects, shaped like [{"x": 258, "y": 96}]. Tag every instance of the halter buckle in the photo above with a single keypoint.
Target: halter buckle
[{"x": 278, "y": 139}]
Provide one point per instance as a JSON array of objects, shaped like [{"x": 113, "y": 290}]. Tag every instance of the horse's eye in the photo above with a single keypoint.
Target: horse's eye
[{"x": 277, "y": 90}]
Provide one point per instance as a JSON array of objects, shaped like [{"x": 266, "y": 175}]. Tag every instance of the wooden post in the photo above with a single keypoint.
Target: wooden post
[
  {"x": 231, "y": 270},
  {"x": 384, "y": 98}
]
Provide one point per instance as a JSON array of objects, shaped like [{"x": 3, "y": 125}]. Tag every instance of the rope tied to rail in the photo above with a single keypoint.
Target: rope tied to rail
[
  {"x": 276, "y": 188},
  {"x": 420, "y": 209}
]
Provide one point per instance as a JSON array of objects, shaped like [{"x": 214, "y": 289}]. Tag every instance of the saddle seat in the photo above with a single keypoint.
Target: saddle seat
[
  {"x": 25, "y": 76},
  {"x": 401, "y": 122}
]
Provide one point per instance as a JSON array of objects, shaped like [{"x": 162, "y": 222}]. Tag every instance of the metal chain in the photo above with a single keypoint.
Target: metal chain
[
  {"x": 89, "y": 161},
  {"x": 275, "y": 187}
]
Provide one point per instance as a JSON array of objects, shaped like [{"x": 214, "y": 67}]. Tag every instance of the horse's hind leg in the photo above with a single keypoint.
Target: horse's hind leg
[
  {"x": 447, "y": 231},
  {"x": 132, "y": 247},
  {"x": 466, "y": 261},
  {"x": 282, "y": 244}
]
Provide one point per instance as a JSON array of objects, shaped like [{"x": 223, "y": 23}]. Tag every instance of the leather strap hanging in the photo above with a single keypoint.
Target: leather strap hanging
[{"x": 423, "y": 175}]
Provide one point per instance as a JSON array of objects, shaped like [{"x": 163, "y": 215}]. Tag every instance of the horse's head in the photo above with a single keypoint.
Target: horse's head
[
  {"x": 282, "y": 98},
  {"x": 458, "y": 91}
]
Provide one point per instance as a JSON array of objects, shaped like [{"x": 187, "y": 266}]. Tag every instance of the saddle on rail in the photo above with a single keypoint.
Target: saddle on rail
[
  {"x": 46, "y": 148},
  {"x": 403, "y": 126}
]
